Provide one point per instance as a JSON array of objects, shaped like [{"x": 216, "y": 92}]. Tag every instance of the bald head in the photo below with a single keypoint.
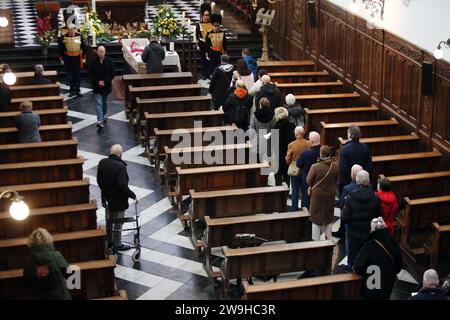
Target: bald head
[
  {"x": 265, "y": 79},
  {"x": 299, "y": 132},
  {"x": 355, "y": 169},
  {"x": 117, "y": 150},
  {"x": 101, "y": 52},
  {"x": 314, "y": 138}
]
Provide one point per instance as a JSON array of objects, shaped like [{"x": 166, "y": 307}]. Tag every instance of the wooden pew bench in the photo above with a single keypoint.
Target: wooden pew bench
[
  {"x": 405, "y": 163},
  {"x": 47, "y": 117},
  {"x": 47, "y": 102},
  {"x": 287, "y": 226},
  {"x": 330, "y": 132},
  {"x": 416, "y": 220},
  {"x": 97, "y": 281},
  {"x": 334, "y": 287},
  {"x": 59, "y": 219},
  {"x": 38, "y": 151},
  {"x": 48, "y": 133},
  {"x": 40, "y": 195},
  {"x": 41, "y": 171},
  {"x": 304, "y": 76},
  {"x": 276, "y": 259},
  {"x": 286, "y": 66},
  {"x": 333, "y": 100},
  {"x": 41, "y": 90},
  {"x": 24, "y": 78},
  {"x": 438, "y": 249},
  {"x": 313, "y": 117},
  {"x": 310, "y": 88},
  {"x": 389, "y": 145},
  {"x": 74, "y": 246},
  {"x": 416, "y": 185}
]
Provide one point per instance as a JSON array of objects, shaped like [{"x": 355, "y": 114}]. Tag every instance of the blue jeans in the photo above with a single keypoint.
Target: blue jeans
[
  {"x": 305, "y": 196},
  {"x": 101, "y": 102},
  {"x": 295, "y": 184}
]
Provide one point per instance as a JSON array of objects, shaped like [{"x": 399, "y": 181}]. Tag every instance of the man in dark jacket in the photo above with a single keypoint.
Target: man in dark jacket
[
  {"x": 238, "y": 105},
  {"x": 352, "y": 153},
  {"x": 112, "y": 178},
  {"x": 270, "y": 91},
  {"x": 379, "y": 257},
  {"x": 305, "y": 161},
  {"x": 220, "y": 82},
  {"x": 361, "y": 207},
  {"x": 39, "y": 78},
  {"x": 430, "y": 289},
  {"x": 5, "y": 94},
  {"x": 153, "y": 56},
  {"x": 101, "y": 71}
]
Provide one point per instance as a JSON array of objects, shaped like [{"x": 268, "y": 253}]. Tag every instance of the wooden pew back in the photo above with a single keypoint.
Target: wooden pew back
[
  {"x": 47, "y": 117},
  {"x": 287, "y": 66},
  {"x": 48, "y": 133},
  {"x": 47, "y": 102},
  {"x": 41, "y": 90},
  {"x": 24, "y": 78}
]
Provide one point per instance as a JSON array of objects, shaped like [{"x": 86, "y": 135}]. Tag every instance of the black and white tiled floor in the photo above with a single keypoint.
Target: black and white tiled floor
[{"x": 169, "y": 268}]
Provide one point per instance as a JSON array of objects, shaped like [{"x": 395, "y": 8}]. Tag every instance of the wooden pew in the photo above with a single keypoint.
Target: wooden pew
[
  {"x": 41, "y": 171},
  {"x": 47, "y": 116},
  {"x": 24, "y": 78},
  {"x": 51, "y": 194},
  {"x": 48, "y": 133},
  {"x": 286, "y": 66},
  {"x": 416, "y": 220},
  {"x": 313, "y": 117},
  {"x": 438, "y": 248},
  {"x": 405, "y": 163},
  {"x": 310, "y": 87},
  {"x": 426, "y": 184},
  {"x": 335, "y": 287},
  {"x": 306, "y": 76},
  {"x": 332, "y": 100},
  {"x": 41, "y": 90},
  {"x": 121, "y": 295},
  {"x": 74, "y": 246},
  {"x": 287, "y": 226},
  {"x": 58, "y": 219},
  {"x": 389, "y": 144},
  {"x": 275, "y": 259},
  {"x": 330, "y": 132},
  {"x": 47, "y": 102},
  {"x": 97, "y": 280},
  {"x": 38, "y": 151}
]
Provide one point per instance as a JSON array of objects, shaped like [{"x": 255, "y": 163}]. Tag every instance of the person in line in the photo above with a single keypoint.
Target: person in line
[
  {"x": 101, "y": 71},
  {"x": 5, "y": 92},
  {"x": 323, "y": 181},
  {"x": 296, "y": 111},
  {"x": 285, "y": 130},
  {"x": 430, "y": 289},
  {"x": 251, "y": 62},
  {"x": 112, "y": 178},
  {"x": 258, "y": 83},
  {"x": 305, "y": 161},
  {"x": 361, "y": 207},
  {"x": 27, "y": 124},
  {"x": 295, "y": 149},
  {"x": 270, "y": 91},
  {"x": 243, "y": 73},
  {"x": 353, "y": 152},
  {"x": 389, "y": 202},
  {"x": 45, "y": 269},
  {"x": 220, "y": 82},
  {"x": 261, "y": 123},
  {"x": 237, "y": 107},
  {"x": 216, "y": 42},
  {"x": 38, "y": 78},
  {"x": 202, "y": 28},
  {"x": 153, "y": 56}
]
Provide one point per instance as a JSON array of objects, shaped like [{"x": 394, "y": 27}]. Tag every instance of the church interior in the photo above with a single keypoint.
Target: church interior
[{"x": 193, "y": 229}]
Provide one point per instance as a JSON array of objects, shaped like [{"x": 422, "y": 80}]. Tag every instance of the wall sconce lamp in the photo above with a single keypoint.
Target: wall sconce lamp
[
  {"x": 8, "y": 76},
  {"x": 439, "y": 53},
  {"x": 4, "y": 22},
  {"x": 19, "y": 209}
]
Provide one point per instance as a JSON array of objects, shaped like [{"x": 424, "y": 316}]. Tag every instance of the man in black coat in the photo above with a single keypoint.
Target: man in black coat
[
  {"x": 39, "y": 78},
  {"x": 353, "y": 153},
  {"x": 219, "y": 88},
  {"x": 5, "y": 93},
  {"x": 101, "y": 71},
  {"x": 112, "y": 178},
  {"x": 270, "y": 91},
  {"x": 238, "y": 106},
  {"x": 153, "y": 56},
  {"x": 361, "y": 207},
  {"x": 430, "y": 289}
]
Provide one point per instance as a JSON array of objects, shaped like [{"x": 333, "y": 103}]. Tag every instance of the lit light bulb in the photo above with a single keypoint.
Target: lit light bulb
[
  {"x": 4, "y": 22},
  {"x": 438, "y": 53},
  {"x": 19, "y": 210},
  {"x": 9, "y": 78}
]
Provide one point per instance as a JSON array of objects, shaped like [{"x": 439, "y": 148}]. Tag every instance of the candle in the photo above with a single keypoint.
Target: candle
[
  {"x": 87, "y": 16},
  {"x": 189, "y": 25},
  {"x": 172, "y": 46},
  {"x": 213, "y": 4},
  {"x": 93, "y": 5},
  {"x": 182, "y": 18},
  {"x": 94, "y": 39},
  {"x": 221, "y": 13}
]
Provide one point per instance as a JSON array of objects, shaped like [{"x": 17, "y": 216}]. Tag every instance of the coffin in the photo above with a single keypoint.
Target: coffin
[{"x": 133, "y": 56}]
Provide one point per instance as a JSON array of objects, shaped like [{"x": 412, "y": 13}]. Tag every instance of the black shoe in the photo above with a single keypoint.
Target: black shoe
[
  {"x": 122, "y": 247},
  {"x": 99, "y": 125},
  {"x": 71, "y": 94}
]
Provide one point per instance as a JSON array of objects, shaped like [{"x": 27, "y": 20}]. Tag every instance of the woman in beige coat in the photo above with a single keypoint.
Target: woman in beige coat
[{"x": 323, "y": 181}]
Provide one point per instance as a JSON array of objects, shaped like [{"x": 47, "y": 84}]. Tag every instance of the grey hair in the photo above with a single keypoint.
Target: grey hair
[
  {"x": 362, "y": 178},
  {"x": 290, "y": 99},
  {"x": 117, "y": 150},
  {"x": 265, "y": 79},
  {"x": 281, "y": 113},
  {"x": 430, "y": 278},
  {"x": 355, "y": 169},
  {"x": 299, "y": 131},
  {"x": 377, "y": 224},
  {"x": 40, "y": 236},
  {"x": 38, "y": 69},
  {"x": 354, "y": 133}
]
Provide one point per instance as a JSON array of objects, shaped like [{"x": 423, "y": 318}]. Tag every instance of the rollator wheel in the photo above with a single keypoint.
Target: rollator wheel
[{"x": 136, "y": 255}]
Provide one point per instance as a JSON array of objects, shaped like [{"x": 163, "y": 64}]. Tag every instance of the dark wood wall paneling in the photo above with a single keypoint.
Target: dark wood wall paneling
[{"x": 380, "y": 65}]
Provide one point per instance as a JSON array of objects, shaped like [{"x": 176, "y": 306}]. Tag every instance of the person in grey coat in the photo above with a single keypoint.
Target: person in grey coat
[
  {"x": 153, "y": 55},
  {"x": 261, "y": 122},
  {"x": 27, "y": 124}
]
